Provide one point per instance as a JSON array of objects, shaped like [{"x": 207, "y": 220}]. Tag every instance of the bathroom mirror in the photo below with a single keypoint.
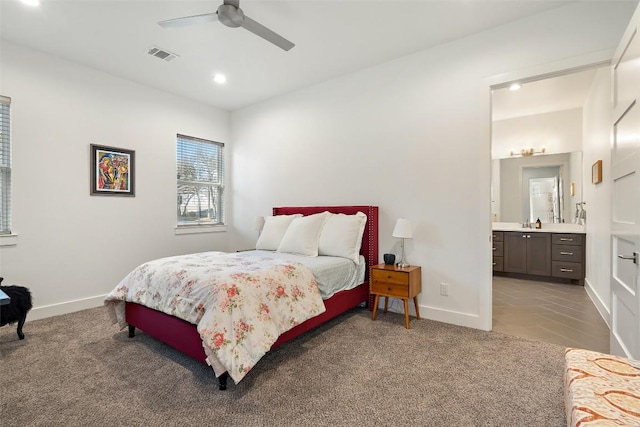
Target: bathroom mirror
[
  {"x": 538, "y": 186},
  {"x": 545, "y": 197}
]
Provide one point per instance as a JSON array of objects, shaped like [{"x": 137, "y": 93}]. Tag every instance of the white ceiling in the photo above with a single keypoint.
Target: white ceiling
[
  {"x": 332, "y": 38},
  {"x": 560, "y": 93}
]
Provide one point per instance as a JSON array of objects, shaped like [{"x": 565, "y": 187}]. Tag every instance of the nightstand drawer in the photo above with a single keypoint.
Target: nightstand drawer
[
  {"x": 400, "y": 290},
  {"x": 391, "y": 277}
]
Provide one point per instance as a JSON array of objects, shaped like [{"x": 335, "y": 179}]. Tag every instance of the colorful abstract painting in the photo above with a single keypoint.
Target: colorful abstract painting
[{"x": 112, "y": 171}]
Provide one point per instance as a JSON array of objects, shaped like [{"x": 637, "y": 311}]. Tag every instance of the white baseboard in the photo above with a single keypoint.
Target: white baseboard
[
  {"x": 437, "y": 314},
  {"x": 600, "y": 306},
  {"x": 616, "y": 347},
  {"x": 453, "y": 317},
  {"x": 65, "y": 307},
  {"x": 426, "y": 312}
]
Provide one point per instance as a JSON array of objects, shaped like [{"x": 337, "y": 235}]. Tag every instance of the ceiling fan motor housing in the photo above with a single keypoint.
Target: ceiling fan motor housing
[{"x": 230, "y": 15}]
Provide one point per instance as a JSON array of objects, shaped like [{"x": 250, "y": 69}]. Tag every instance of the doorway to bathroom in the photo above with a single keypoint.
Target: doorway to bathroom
[{"x": 537, "y": 172}]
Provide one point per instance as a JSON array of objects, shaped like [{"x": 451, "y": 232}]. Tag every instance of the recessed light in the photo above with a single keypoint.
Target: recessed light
[
  {"x": 219, "y": 78},
  {"x": 515, "y": 86},
  {"x": 31, "y": 2}
]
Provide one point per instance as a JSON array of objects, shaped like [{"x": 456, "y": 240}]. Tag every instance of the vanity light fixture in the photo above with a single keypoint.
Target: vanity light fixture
[
  {"x": 526, "y": 152},
  {"x": 515, "y": 86},
  {"x": 33, "y": 3},
  {"x": 219, "y": 78}
]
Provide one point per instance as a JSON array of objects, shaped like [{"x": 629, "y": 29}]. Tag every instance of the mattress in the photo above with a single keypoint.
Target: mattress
[{"x": 333, "y": 274}]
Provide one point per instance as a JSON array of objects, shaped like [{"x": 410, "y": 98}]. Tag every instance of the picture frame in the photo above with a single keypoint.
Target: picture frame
[
  {"x": 596, "y": 172},
  {"x": 112, "y": 171}
]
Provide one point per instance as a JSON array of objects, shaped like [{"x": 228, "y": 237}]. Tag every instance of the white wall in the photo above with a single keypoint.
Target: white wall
[
  {"x": 598, "y": 198},
  {"x": 74, "y": 248},
  {"x": 558, "y": 132},
  {"x": 496, "y": 200},
  {"x": 413, "y": 137},
  {"x": 576, "y": 177}
]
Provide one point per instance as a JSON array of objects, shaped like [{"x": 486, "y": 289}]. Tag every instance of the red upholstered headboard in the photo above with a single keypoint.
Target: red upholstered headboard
[{"x": 369, "y": 248}]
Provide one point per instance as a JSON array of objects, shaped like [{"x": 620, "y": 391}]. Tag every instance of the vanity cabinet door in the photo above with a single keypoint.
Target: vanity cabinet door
[
  {"x": 527, "y": 253},
  {"x": 539, "y": 254},
  {"x": 515, "y": 252}
]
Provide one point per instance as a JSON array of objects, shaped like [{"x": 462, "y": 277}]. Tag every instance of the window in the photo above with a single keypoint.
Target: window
[
  {"x": 5, "y": 165},
  {"x": 200, "y": 167}
]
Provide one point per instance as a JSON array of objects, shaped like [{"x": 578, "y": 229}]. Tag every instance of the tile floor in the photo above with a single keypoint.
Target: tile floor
[{"x": 557, "y": 313}]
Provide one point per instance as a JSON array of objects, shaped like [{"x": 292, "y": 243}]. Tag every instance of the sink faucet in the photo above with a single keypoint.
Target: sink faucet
[{"x": 526, "y": 224}]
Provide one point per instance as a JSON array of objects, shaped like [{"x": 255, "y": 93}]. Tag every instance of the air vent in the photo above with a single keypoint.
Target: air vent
[{"x": 161, "y": 53}]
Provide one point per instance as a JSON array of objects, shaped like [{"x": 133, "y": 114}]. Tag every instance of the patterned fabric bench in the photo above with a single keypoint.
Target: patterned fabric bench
[{"x": 601, "y": 389}]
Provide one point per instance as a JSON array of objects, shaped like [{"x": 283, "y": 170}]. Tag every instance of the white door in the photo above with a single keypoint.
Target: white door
[{"x": 625, "y": 176}]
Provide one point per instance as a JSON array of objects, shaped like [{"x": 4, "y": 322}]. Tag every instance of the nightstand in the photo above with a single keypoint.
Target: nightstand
[{"x": 391, "y": 281}]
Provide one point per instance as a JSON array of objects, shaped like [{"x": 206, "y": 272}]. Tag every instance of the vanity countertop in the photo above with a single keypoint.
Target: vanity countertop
[{"x": 546, "y": 228}]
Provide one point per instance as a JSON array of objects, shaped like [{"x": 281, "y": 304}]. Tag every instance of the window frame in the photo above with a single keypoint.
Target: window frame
[
  {"x": 5, "y": 167},
  {"x": 217, "y": 188}
]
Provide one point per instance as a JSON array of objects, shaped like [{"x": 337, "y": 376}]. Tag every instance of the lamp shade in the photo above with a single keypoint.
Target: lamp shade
[
  {"x": 402, "y": 229},
  {"x": 258, "y": 223}
]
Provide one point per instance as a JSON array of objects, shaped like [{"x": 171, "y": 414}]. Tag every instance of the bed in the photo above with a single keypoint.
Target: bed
[{"x": 184, "y": 336}]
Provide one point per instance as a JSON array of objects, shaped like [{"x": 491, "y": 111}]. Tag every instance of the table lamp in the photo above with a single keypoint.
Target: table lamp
[{"x": 402, "y": 230}]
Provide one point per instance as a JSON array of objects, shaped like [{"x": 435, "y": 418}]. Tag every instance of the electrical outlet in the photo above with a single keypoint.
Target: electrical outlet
[{"x": 444, "y": 289}]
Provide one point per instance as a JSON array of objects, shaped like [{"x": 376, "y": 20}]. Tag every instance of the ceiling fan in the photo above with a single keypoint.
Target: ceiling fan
[{"x": 230, "y": 14}]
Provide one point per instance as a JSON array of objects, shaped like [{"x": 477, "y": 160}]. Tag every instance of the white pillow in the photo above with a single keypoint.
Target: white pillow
[
  {"x": 303, "y": 234},
  {"x": 342, "y": 236},
  {"x": 273, "y": 231}
]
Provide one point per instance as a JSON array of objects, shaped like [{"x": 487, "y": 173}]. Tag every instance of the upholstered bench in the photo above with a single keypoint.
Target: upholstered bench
[{"x": 601, "y": 389}]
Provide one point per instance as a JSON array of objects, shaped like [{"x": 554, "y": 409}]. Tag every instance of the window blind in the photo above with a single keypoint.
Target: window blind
[
  {"x": 5, "y": 165},
  {"x": 200, "y": 179}
]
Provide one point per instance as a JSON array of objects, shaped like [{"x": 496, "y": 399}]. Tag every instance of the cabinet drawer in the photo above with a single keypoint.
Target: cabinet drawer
[
  {"x": 498, "y": 236},
  {"x": 393, "y": 277},
  {"x": 400, "y": 290},
  {"x": 568, "y": 270},
  {"x": 498, "y": 263},
  {"x": 567, "y": 239},
  {"x": 498, "y": 249},
  {"x": 566, "y": 253}
]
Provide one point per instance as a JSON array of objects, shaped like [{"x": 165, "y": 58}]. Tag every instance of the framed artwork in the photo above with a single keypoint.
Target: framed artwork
[
  {"x": 596, "y": 172},
  {"x": 112, "y": 171}
]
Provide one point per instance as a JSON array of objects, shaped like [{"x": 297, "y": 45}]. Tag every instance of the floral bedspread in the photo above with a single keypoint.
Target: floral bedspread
[{"x": 241, "y": 305}]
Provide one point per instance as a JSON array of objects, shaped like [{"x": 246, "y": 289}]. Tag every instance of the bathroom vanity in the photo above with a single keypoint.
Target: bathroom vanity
[{"x": 556, "y": 252}]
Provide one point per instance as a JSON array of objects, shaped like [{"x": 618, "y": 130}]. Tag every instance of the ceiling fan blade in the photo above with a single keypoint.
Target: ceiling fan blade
[
  {"x": 188, "y": 20},
  {"x": 265, "y": 33}
]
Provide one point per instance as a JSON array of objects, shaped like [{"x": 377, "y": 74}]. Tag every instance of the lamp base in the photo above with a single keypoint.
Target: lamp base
[{"x": 402, "y": 263}]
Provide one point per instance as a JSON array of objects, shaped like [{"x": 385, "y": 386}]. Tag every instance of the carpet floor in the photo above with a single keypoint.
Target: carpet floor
[{"x": 79, "y": 370}]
